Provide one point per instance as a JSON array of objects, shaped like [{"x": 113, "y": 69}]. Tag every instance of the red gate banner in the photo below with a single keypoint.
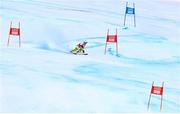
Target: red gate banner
[
  {"x": 14, "y": 32},
  {"x": 156, "y": 90},
  {"x": 112, "y": 39}
]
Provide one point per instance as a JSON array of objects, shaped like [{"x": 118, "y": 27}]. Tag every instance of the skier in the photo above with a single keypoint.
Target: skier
[{"x": 80, "y": 48}]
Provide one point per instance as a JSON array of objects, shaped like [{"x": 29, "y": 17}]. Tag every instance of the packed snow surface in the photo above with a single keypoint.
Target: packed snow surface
[{"x": 42, "y": 76}]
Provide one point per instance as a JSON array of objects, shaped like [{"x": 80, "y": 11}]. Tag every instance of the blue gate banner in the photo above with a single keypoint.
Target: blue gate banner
[{"x": 130, "y": 10}]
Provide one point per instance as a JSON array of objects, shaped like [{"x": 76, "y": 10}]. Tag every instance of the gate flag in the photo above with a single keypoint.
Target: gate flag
[
  {"x": 130, "y": 11},
  {"x": 112, "y": 39},
  {"x": 156, "y": 90},
  {"x": 14, "y": 32}
]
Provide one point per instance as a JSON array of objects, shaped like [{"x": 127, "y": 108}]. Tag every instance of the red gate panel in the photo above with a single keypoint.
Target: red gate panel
[
  {"x": 112, "y": 38},
  {"x": 157, "y": 90},
  {"x": 14, "y": 31}
]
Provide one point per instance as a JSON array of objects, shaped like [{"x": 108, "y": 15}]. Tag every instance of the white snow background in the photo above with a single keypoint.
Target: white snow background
[{"x": 42, "y": 76}]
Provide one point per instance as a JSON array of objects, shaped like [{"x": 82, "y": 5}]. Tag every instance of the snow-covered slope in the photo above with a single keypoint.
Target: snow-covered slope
[{"x": 42, "y": 76}]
